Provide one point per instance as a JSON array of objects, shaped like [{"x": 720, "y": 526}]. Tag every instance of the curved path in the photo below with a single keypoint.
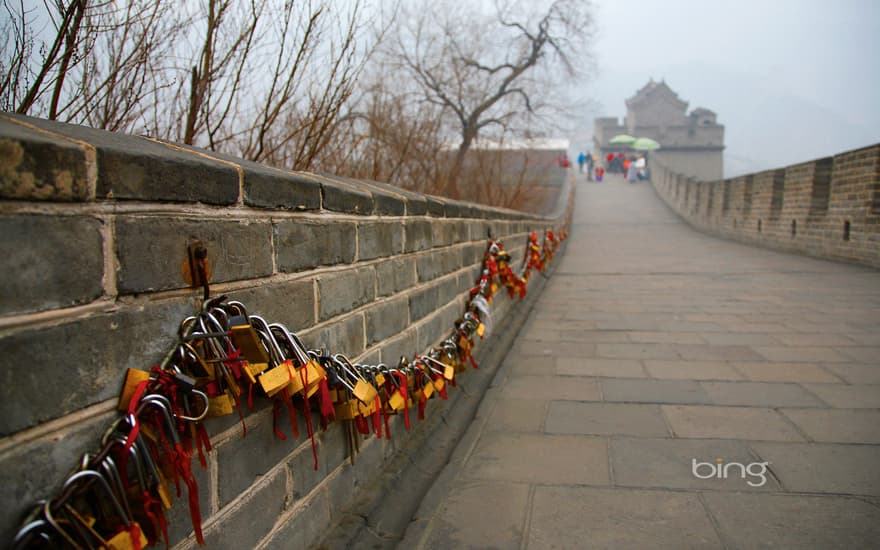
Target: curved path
[{"x": 656, "y": 352}]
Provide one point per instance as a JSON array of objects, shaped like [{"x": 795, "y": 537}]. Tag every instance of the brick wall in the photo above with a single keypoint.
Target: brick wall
[
  {"x": 828, "y": 207},
  {"x": 93, "y": 232}
]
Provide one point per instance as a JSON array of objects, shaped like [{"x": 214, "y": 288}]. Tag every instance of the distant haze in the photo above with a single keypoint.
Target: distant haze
[{"x": 790, "y": 80}]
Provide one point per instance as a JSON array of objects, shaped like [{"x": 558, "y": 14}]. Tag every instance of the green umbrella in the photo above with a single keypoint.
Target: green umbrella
[
  {"x": 622, "y": 139},
  {"x": 644, "y": 144}
]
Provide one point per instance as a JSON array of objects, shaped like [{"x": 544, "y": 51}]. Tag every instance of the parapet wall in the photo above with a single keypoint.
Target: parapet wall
[
  {"x": 95, "y": 229},
  {"x": 829, "y": 208}
]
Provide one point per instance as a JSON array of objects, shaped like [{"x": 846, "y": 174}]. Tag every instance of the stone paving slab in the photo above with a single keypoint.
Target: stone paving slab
[
  {"x": 545, "y": 388},
  {"x": 585, "y": 517},
  {"x": 823, "y": 467},
  {"x": 760, "y": 394},
  {"x": 586, "y": 366},
  {"x": 785, "y": 372},
  {"x": 729, "y": 423},
  {"x": 847, "y": 397},
  {"x": 571, "y": 417},
  {"x": 517, "y": 415},
  {"x": 784, "y": 521},
  {"x": 853, "y": 373},
  {"x": 529, "y": 458},
  {"x": 669, "y": 464},
  {"x": 653, "y": 391},
  {"x": 838, "y": 425},
  {"x": 501, "y": 505},
  {"x": 692, "y": 370}
]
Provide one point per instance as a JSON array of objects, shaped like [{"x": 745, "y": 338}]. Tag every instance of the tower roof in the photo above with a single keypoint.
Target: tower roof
[{"x": 653, "y": 91}]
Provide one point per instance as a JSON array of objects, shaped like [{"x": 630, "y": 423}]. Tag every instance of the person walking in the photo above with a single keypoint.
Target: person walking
[
  {"x": 631, "y": 171},
  {"x": 589, "y": 162},
  {"x": 582, "y": 158}
]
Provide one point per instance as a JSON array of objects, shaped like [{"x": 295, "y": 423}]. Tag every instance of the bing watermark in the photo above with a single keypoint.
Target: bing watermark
[{"x": 756, "y": 472}]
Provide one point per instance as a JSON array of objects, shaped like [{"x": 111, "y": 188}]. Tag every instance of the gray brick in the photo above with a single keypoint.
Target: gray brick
[
  {"x": 346, "y": 336},
  {"x": 402, "y": 345},
  {"x": 455, "y": 287},
  {"x": 436, "y": 207},
  {"x": 243, "y": 461},
  {"x": 419, "y": 235},
  {"x": 30, "y": 470},
  {"x": 291, "y": 303},
  {"x": 416, "y": 203},
  {"x": 152, "y": 250},
  {"x": 131, "y": 167},
  {"x": 345, "y": 291},
  {"x": 102, "y": 346},
  {"x": 423, "y": 302},
  {"x": 443, "y": 232},
  {"x": 395, "y": 275},
  {"x": 245, "y": 526},
  {"x": 387, "y": 202},
  {"x": 438, "y": 326},
  {"x": 56, "y": 262},
  {"x": 386, "y": 319},
  {"x": 453, "y": 208},
  {"x": 269, "y": 187},
  {"x": 345, "y": 197},
  {"x": 303, "y": 529},
  {"x": 39, "y": 167},
  {"x": 379, "y": 239},
  {"x": 303, "y": 245},
  {"x": 438, "y": 262}
]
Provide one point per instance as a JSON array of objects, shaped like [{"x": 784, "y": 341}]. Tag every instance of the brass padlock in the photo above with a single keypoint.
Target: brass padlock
[
  {"x": 276, "y": 379},
  {"x": 245, "y": 338},
  {"x": 221, "y": 405},
  {"x": 133, "y": 377}
]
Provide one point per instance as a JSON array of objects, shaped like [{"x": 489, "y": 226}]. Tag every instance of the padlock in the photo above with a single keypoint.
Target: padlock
[
  {"x": 364, "y": 391},
  {"x": 245, "y": 338},
  {"x": 123, "y": 539},
  {"x": 133, "y": 377},
  {"x": 276, "y": 379},
  {"x": 396, "y": 401},
  {"x": 221, "y": 405}
]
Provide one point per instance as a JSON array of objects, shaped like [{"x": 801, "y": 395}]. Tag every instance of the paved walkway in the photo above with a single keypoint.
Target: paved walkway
[{"x": 654, "y": 346}]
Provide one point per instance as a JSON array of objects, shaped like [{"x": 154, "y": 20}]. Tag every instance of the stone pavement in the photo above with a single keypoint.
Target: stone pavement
[{"x": 654, "y": 346}]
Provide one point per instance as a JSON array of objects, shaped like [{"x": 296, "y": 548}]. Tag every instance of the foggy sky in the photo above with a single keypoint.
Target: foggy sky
[{"x": 791, "y": 80}]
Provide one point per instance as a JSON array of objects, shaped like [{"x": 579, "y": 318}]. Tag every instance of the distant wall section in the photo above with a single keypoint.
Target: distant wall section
[{"x": 829, "y": 207}]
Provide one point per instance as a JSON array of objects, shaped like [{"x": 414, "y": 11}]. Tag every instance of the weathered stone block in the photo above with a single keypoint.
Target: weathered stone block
[
  {"x": 386, "y": 319},
  {"x": 344, "y": 197},
  {"x": 268, "y": 187},
  {"x": 152, "y": 250},
  {"x": 51, "y": 262},
  {"x": 99, "y": 347},
  {"x": 291, "y": 303},
  {"x": 423, "y": 302},
  {"x": 419, "y": 235},
  {"x": 379, "y": 239},
  {"x": 395, "y": 275},
  {"x": 344, "y": 291},
  {"x": 247, "y": 524},
  {"x": 39, "y": 167},
  {"x": 303, "y": 245},
  {"x": 401, "y": 346},
  {"x": 436, "y": 263},
  {"x": 346, "y": 336}
]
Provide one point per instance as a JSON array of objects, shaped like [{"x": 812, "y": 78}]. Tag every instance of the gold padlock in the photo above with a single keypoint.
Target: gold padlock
[
  {"x": 364, "y": 391},
  {"x": 245, "y": 338},
  {"x": 123, "y": 539},
  {"x": 276, "y": 379},
  {"x": 396, "y": 401},
  {"x": 133, "y": 377},
  {"x": 221, "y": 405}
]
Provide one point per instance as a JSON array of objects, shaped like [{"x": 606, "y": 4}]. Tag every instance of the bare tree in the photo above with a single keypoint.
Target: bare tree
[{"x": 484, "y": 84}]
